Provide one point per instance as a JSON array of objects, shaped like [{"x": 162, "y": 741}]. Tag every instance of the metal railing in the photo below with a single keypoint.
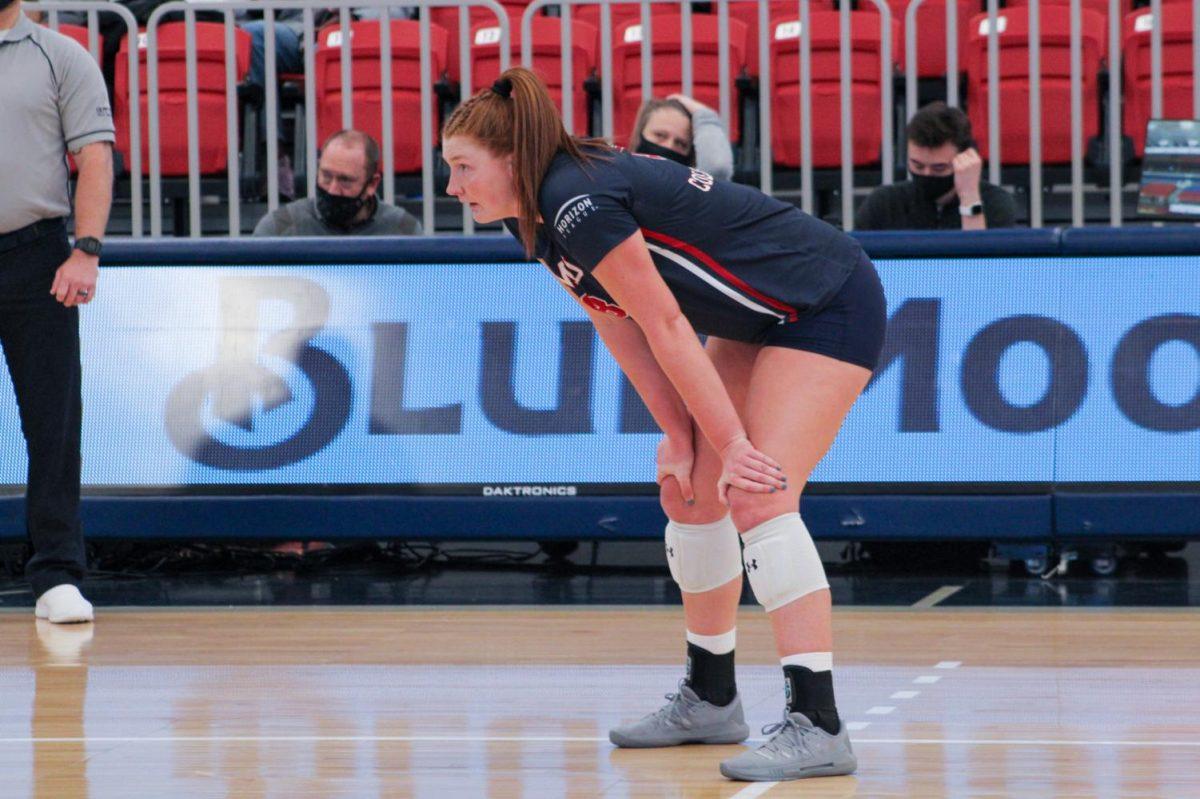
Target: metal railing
[{"x": 571, "y": 83}]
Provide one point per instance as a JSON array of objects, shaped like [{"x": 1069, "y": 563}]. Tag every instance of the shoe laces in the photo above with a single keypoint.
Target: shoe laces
[
  {"x": 787, "y": 738},
  {"x": 672, "y": 712}
]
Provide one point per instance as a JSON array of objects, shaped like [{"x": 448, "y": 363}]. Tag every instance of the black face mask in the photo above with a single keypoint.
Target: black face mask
[
  {"x": 650, "y": 148},
  {"x": 335, "y": 210},
  {"x": 932, "y": 187}
]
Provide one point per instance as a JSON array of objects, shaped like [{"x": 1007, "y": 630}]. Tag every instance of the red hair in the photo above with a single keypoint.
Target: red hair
[{"x": 517, "y": 117}]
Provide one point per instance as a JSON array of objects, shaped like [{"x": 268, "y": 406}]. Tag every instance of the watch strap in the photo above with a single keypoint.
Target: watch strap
[{"x": 89, "y": 245}]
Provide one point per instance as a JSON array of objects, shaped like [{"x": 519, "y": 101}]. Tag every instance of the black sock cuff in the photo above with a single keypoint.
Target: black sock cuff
[
  {"x": 711, "y": 676},
  {"x": 808, "y": 689}
]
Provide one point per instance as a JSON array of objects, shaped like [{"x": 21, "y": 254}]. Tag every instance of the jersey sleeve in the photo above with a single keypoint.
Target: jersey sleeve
[
  {"x": 82, "y": 100},
  {"x": 587, "y": 210}
]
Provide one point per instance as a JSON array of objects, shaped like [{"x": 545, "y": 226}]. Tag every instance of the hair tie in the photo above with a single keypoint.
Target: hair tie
[{"x": 503, "y": 87}]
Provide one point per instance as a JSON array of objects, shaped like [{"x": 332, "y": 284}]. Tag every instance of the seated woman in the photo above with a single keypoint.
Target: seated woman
[{"x": 683, "y": 130}]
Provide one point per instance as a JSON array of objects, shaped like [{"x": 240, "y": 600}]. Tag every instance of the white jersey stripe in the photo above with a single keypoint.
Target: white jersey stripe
[{"x": 699, "y": 272}]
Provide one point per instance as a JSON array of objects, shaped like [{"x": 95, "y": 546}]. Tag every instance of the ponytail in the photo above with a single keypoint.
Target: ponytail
[{"x": 516, "y": 116}]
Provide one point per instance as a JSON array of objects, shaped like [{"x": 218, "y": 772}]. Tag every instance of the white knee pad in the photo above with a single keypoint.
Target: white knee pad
[
  {"x": 703, "y": 556},
  {"x": 781, "y": 561}
]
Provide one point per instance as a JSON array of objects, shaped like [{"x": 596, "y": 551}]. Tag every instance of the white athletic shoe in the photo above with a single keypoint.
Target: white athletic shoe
[{"x": 63, "y": 604}]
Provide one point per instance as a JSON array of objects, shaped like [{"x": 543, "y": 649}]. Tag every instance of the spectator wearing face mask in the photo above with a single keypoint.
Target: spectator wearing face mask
[
  {"x": 947, "y": 190},
  {"x": 345, "y": 203},
  {"x": 684, "y": 130}
]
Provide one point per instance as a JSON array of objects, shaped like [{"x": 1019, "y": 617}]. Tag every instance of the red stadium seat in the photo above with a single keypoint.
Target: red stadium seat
[
  {"x": 1013, "y": 35},
  {"x": 77, "y": 32},
  {"x": 172, "y": 96},
  {"x": 619, "y": 13},
  {"x": 1176, "y": 69},
  {"x": 365, "y": 81},
  {"x": 931, "y": 33},
  {"x": 866, "y": 92},
  {"x": 547, "y": 60},
  {"x": 667, "y": 63},
  {"x": 1099, "y": 6},
  {"x": 447, "y": 17},
  {"x": 779, "y": 9}
]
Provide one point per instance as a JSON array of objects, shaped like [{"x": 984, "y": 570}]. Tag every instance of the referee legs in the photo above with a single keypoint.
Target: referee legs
[{"x": 40, "y": 338}]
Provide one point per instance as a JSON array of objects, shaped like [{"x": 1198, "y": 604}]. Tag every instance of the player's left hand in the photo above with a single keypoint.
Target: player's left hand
[
  {"x": 75, "y": 281},
  {"x": 676, "y": 457},
  {"x": 745, "y": 467}
]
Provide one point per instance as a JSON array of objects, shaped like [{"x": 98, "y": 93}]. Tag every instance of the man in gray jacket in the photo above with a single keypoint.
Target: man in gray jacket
[{"x": 345, "y": 203}]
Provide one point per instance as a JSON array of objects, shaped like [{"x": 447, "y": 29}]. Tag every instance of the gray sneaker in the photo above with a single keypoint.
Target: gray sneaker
[
  {"x": 796, "y": 750},
  {"x": 685, "y": 719}
]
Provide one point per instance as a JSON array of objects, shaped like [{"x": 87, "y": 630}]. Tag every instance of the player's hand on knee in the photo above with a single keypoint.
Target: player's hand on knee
[
  {"x": 676, "y": 457},
  {"x": 744, "y": 467}
]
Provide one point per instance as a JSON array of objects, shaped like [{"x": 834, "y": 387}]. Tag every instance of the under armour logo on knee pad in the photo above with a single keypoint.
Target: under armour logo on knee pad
[
  {"x": 670, "y": 552},
  {"x": 752, "y": 564}
]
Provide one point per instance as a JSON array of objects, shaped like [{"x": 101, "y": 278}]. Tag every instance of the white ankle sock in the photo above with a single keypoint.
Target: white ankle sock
[
  {"x": 716, "y": 644},
  {"x": 813, "y": 661}
]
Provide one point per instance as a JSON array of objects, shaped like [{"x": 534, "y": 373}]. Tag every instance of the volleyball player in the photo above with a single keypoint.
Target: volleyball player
[{"x": 794, "y": 314}]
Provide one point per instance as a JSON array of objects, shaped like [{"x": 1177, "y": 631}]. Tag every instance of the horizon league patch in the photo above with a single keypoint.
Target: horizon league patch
[
  {"x": 569, "y": 218},
  {"x": 530, "y": 491}
]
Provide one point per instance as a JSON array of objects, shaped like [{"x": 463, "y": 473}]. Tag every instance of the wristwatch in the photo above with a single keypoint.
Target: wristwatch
[
  {"x": 970, "y": 210},
  {"x": 89, "y": 245}
]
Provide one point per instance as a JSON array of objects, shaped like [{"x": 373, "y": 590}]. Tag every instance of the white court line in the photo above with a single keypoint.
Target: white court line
[
  {"x": 905, "y": 694},
  {"x": 1021, "y": 742},
  {"x": 949, "y": 664},
  {"x": 1193, "y": 744},
  {"x": 928, "y": 679},
  {"x": 754, "y": 790},
  {"x": 945, "y": 592},
  {"x": 854, "y": 726},
  {"x": 880, "y": 710}
]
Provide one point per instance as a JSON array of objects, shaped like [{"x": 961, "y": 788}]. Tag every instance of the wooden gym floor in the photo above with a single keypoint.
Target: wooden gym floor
[{"x": 516, "y": 702}]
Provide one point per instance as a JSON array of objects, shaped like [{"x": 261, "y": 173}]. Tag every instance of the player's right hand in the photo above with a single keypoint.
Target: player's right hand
[
  {"x": 676, "y": 457},
  {"x": 744, "y": 467}
]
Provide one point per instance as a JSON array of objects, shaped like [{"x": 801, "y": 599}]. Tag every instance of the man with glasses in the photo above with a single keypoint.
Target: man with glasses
[
  {"x": 345, "y": 203},
  {"x": 947, "y": 191}
]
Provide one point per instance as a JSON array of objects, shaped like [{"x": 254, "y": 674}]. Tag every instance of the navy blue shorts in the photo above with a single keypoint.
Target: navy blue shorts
[{"x": 850, "y": 327}]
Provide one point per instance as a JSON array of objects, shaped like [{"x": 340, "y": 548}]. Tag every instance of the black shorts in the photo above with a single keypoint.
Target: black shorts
[{"x": 849, "y": 327}]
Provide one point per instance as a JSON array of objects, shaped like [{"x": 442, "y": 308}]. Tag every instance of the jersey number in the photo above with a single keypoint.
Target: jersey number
[{"x": 597, "y": 304}]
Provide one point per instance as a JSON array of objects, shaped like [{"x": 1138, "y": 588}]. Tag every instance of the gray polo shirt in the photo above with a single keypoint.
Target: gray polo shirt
[
  {"x": 52, "y": 99},
  {"x": 300, "y": 218}
]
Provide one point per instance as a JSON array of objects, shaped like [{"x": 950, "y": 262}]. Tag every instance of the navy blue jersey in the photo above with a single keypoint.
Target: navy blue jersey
[{"x": 738, "y": 261}]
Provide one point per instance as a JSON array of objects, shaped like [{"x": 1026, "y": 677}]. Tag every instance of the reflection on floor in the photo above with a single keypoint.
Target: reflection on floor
[{"x": 517, "y": 703}]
